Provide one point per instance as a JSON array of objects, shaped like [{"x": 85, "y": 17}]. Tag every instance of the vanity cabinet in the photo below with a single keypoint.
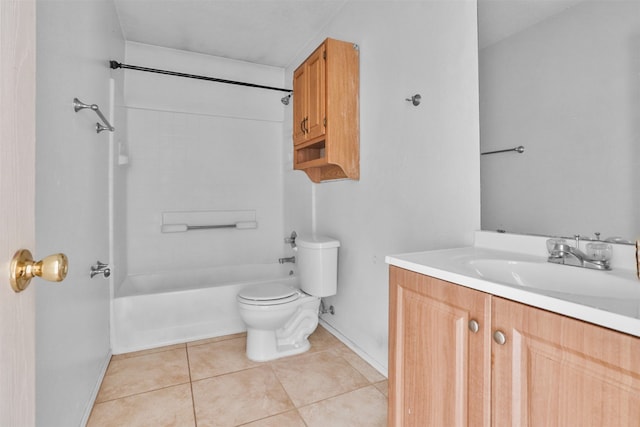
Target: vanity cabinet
[
  {"x": 460, "y": 357},
  {"x": 326, "y": 131}
]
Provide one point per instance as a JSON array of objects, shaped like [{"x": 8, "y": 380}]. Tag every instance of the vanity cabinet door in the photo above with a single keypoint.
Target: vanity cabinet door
[
  {"x": 439, "y": 370},
  {"x": 557, "y": 371}
]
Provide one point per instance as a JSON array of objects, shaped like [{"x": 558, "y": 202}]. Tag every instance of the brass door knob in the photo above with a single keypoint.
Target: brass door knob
[{"x": 52, "y": 268}]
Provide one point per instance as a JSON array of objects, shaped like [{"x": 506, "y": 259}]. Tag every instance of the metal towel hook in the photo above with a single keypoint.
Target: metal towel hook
[{"x": 415, "y": 99}]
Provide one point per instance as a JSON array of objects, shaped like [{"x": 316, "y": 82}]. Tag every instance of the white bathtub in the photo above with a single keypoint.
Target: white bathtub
[{"x": 153, "y": 310}]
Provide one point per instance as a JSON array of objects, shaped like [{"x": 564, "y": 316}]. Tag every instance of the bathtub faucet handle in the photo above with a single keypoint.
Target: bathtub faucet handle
[
  {"x": 100, "y": 268},
  {"x": 291, "y": 239}
]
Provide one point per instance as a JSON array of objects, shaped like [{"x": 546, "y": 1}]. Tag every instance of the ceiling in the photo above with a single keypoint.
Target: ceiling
[
  {"x": 269, "y": 32},
  {"x": 275, "y": 32}
]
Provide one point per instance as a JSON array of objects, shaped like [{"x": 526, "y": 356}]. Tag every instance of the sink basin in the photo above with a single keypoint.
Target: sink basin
[{"x": 556, "y": 279}]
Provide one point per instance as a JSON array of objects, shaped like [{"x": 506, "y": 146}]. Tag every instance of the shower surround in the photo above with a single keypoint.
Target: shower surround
[{"x": 195, "y": 147}]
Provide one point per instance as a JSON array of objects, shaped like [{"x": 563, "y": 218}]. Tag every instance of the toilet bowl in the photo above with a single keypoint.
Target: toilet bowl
[
  {"x": 279, "y": 318},
  {"x": 277, "y": 326}
]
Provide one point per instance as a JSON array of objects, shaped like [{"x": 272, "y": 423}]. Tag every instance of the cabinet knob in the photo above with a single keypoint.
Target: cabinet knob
[
  {"x": 474, "y": 326},
  {"x": 499, "y": 337}
]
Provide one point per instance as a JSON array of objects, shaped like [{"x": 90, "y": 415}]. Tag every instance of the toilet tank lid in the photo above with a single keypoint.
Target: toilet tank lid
[{"x": 317, "y": 242}]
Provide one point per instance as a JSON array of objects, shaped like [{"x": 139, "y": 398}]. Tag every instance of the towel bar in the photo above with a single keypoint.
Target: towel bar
[
  {"x": 519, "y": 149},
  {"x": 179, "y": 228}
]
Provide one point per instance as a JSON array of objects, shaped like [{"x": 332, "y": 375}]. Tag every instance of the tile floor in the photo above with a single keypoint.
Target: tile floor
[{"x": 212, "y": 383}]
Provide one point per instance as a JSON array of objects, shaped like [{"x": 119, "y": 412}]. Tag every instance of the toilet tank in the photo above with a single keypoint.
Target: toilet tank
[{"x": 317, "y": 260}]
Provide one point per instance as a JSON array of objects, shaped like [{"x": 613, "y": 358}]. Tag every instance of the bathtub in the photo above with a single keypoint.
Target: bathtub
[{"x": 157, "y": 309}]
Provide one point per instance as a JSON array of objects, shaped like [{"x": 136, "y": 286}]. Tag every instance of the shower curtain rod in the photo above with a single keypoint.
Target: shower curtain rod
[{"x": 115, "y": 65}]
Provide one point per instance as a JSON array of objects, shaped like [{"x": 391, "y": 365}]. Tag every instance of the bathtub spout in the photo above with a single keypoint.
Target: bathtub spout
[{"x": 290, "y": 259}]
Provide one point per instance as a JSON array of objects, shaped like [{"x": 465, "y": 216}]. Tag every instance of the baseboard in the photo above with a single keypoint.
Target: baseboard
[
  {"x": 355, "y": 348},
  {"x": 96, "y": 389}
]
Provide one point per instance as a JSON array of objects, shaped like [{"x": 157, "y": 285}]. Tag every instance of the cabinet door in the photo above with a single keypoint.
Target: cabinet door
[
  {"x": 300, "y": 101},
  {"x": 309, "y": 98},
  {"x": 557, "y": 371},
  {"x": 316, "y": 93},
  {"x": 439, "y": 371}
]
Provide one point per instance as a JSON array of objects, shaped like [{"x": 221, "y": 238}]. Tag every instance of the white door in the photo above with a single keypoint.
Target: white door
[{"x": 17, "y": 216}]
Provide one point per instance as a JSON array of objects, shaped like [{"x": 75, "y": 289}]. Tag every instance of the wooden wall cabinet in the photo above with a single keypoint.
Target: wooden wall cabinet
[
  {"x": 444, "y": 369},
  {"x": 326, "y": 130}
]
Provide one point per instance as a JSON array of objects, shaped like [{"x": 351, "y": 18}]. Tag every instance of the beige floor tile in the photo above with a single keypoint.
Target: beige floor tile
[
  {"x": 322, "y": 340},
  {"x": 288, "y": 419},
  {"x": 222, "y": 357},
  {"x": 366, "y": 407},
  {"x": 145, "y": 352},
  {"x": 216, "y": 339},
  {"x": 383, "y": 386},
  {"x": 315, "y": 376},
  {"x": 239, "y": 397},
  {"x": 143, "y": 409},
  {"x": 144, "y": 373},
  {"x": 369, "y": 372}
]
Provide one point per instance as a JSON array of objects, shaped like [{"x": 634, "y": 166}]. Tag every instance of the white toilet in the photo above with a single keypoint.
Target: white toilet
[{"x": 280, "y": 318}]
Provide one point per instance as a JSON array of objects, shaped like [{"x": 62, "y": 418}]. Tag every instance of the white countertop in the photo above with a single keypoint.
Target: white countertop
[{"x": 452, "y": 265}]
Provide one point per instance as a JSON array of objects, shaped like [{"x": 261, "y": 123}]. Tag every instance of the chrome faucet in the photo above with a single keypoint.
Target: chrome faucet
[
  {"x": 290, "y": 259},
  {"x": 562, "y": 253}
]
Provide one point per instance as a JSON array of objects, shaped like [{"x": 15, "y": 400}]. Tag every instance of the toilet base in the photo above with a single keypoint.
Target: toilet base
[
  {"x": 262, "y": 346},
  {"x": 291, "y": 339}
]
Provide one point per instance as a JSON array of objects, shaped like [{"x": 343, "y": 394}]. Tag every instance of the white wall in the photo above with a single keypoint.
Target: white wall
[
  {"x": 199, "y": 146},
  {"x": 75, "y": 40},
  {"x": 568, "y": 90},
  {"x": 419, "y": 186}
]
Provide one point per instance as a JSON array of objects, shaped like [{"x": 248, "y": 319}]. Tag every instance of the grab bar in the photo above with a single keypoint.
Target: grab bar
[
  {"x": 519, "y": 149},
  {"x": 79, "y": 105},
  {"x": 179, "y": 228}
]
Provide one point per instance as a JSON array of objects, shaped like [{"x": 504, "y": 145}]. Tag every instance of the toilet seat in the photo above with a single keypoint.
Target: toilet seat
[{"x": 268, "y": 294}]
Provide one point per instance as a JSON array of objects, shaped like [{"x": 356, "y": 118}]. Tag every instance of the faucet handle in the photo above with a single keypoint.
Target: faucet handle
[
  {"x": 599, "y": 251},
  {"x": 552, "y": 246},
  {"x": 291, "y": 239},
  {"x": 100, "y": 268}
]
